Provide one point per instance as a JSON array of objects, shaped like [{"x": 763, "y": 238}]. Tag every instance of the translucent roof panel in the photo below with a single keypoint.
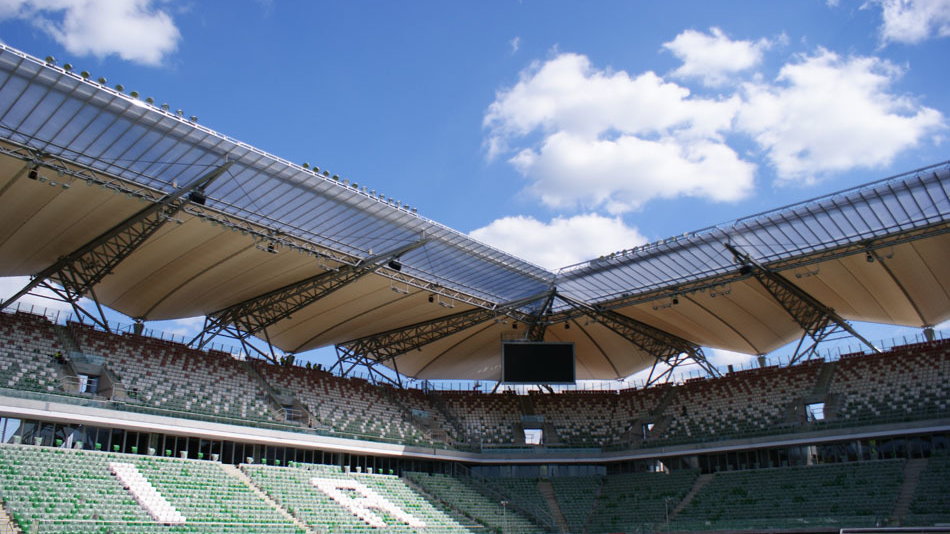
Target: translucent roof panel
[
  {"x": 894, "y": 206},
  {"x": 58, "y": 113}
]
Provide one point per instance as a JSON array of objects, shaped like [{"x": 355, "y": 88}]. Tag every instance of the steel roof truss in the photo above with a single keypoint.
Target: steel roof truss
[
  {"x": 80, "y": 271},
  {"x": 254, "y": 315},
  {"x": 668, "y": 350},
  {"x": 817, "y": 320},
  {"x": 388, "y": 345}
]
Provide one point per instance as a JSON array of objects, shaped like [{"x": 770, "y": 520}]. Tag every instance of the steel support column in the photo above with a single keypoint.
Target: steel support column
[
  {"x": 539, "y": 324},
  {"x": 816, "y": 320}
]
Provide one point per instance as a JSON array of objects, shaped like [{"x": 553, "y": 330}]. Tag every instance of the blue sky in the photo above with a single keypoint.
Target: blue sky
[{"x": 556, "y": 130}]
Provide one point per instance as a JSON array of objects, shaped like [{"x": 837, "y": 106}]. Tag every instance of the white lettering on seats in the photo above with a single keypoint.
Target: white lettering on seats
[
  {"x": 148, "y": 497},
  {"x": 360, "y": 507}
]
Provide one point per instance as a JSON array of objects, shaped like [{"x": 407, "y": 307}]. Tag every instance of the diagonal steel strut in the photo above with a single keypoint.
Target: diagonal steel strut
[
  {"x": 80, "y": 271},
  {"x": 817, "y": 320},
  {"x": 665, "y": 347},
  {"x": 254, "y": 315},
  {"x": 385, "y": 346}
]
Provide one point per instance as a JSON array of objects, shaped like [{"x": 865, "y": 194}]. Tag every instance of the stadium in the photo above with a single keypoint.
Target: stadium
[{"x": 108, "y": 200}]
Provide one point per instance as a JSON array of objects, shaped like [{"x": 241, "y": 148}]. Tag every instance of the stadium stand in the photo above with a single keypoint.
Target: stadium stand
[
  {"x": 174, "y": 377},
  {"x": 350, "y": 406},
  {"x": 461, "y": 494},
  {"x": 739, "y": 403},
  {"x": 293, "y": 488},
  {"x": 855, "y": 494},
  {"x": 484, "y": 418},
  {"x": 48, "y": 489},
  {"x": 904, "y": 384},
  {"x": 576, "y": 497},
  {"x": 908, "y": 382},
  {"x": 629, "y": 501},
  {"x": 27, "y": 353},
  {"x": 580, "y": 418},
  {"x": 931, "y": 500}
]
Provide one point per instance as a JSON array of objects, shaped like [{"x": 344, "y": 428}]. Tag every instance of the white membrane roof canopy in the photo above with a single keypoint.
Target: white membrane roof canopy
[{"x": 877, "y": 253}]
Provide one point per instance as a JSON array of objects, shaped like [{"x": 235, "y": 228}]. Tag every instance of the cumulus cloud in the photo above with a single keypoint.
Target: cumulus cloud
[
  {"x": 612, "y": 141},
  {"x": 826, "y": 113},
  {"x": 601, "y": 140},
  {"x": 134, "y": 30},
  {"x": 913, "y": 21},
  {"x": 620, "y": 174},
  {"x": 560, "y": 242},
  {"x": 714, "y": 58}
]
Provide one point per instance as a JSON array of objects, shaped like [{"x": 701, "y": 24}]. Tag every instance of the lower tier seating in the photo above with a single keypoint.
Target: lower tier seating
[
  {"x": 461, "y": 496},
  {"x": 55, "y": 490},
  {"x": 931, "y": 502},
  {"x": 628, "y": 501},
  {"x": 293, "y": 488},
  {"x": 855, "y": 495}
]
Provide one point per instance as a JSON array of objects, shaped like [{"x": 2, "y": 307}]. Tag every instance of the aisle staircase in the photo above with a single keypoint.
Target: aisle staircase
[
  {"x": 235, "y": 472},
  {"x": 545, "y": 488},
  {"x": 912, "y": 471},
  {"x": 700, "y": 483}
]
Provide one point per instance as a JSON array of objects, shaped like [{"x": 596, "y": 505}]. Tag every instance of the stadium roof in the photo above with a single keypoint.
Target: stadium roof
[{"x": 256, "y": 226}]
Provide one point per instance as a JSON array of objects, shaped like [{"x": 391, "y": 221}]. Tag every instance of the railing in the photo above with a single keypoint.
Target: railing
[
  {"x": 66, "y": 526},
  {"x": 80, "y": 399}
]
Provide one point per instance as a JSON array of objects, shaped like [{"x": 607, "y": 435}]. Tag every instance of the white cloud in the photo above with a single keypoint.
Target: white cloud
[
  {"x": 912, "y": 21},
  {"x": 827, "y": 114},
  {"x": 515, "y": 44},
  {"x": 39, "y": 301},
  {"x": 186, "y": 328},
  {"x": 722, "y": 358},
  {"x": 560, "y": 242},
  {"x": 620, "y": 174},
  {"x": 714, "y": 58},
  {"x": 612, "y": 141},
  {"x": 135, "y": 30}
]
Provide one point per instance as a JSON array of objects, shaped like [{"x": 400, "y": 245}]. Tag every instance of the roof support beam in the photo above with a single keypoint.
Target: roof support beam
[
  {"x": 669, "y": 351},
  {"x": 385, "y": 346},
  {"x": 817, "y": 320},
  {"x": 539, "y": 325},
  {"x": 253, "y": 316},
  {"x": 79, "y": 272}
]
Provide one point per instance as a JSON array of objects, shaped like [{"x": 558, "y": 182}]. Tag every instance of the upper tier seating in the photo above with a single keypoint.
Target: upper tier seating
[
  {"x": 581, "y": 418},
  {"x": 346, "y": 405},
  {"x": 484, "y": 418},
  {"x": 750, "y": 401},
  {"x": 901, "y": 384},
  {"x": 172, "y": 376},
  {"x": 292, "y": 488},
  {"x": 908, "y": 382},
  {"x": 27, "y": 348},
  {"x": 73, "y": 491}
]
